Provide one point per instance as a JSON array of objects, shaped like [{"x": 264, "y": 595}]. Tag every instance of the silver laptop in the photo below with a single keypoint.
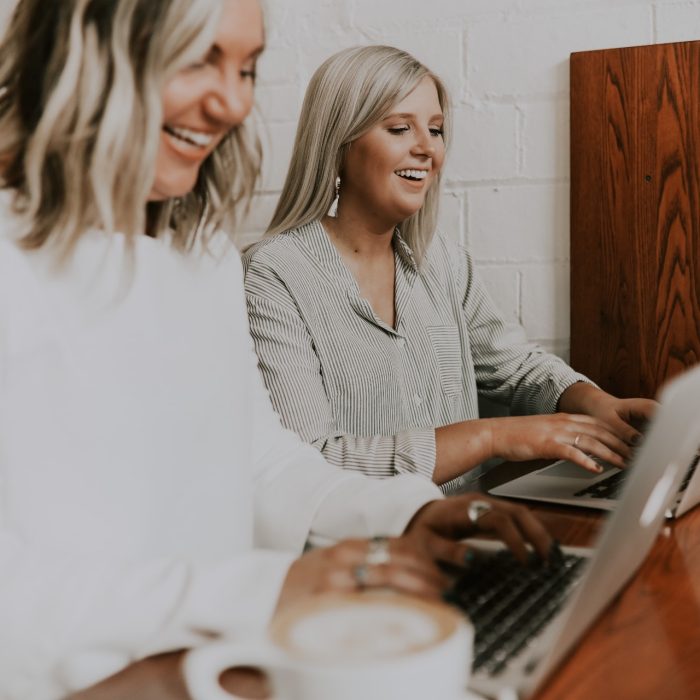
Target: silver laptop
[
  {"x": 520, "y": 642},
  {"x": 568, "y": 484}
]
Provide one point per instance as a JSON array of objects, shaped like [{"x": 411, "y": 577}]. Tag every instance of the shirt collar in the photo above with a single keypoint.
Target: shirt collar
[{"x": 403, "y": 250}]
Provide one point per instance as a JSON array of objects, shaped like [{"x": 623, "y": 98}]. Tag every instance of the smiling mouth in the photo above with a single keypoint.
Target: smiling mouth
[
  {"x": 413, "y": 175},
  {"x": 189, "y": 136}
]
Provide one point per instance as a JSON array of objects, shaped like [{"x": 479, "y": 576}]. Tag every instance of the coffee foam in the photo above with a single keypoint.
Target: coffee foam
[{"x": 360, "y": 627}]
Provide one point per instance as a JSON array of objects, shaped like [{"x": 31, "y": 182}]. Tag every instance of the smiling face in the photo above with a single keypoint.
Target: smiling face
[
  {"x": 204, "y": 101},
  {"x": 388, "y": 170}
]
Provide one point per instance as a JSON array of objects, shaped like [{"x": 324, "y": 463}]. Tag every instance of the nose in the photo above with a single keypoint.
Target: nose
[
  {"x": 230, "y": 100},
  {"x": 423, "y": 144}
]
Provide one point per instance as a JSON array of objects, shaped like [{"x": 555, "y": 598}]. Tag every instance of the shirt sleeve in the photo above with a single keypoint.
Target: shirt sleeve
[
  {"x": 70, "y": 621},
  {"x": 508, "y": 368},
  {"x": 300, "y": 495},
  {"x": 293, "y": 374}
]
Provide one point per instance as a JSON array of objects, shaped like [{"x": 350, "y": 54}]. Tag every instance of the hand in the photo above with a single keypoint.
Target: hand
[
  {"x": 438, "y": 527},
  {"x": 557, "y": 436},
  {"x": 624, "y": 417},
  {"x": 409, "y": 570}
]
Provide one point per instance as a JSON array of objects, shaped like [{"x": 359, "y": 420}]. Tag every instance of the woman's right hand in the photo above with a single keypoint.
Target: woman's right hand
[
  {"x": 344, "y": 567},
  {"x": 574, "y": 437}
]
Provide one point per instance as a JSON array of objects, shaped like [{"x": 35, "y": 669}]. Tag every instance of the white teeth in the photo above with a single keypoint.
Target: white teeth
[
  {"x": 196, "y": 138},
  {"x": 413, "y": 174}
]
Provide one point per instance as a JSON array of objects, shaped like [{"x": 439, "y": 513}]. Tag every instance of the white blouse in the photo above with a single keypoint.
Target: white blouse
[{"x": 141, "y": 463}]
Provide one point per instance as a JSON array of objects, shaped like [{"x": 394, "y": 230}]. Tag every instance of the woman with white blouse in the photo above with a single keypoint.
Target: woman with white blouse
[
  {"x": 374, "y": 332},
  {"x": 149, "y": 498}
]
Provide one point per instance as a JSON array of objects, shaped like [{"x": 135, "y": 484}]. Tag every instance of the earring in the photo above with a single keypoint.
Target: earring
[{"x": 333, "y": 211}]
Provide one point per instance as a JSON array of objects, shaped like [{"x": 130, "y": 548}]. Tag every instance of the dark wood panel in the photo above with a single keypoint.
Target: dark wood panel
[{"x": 635, "y": 215}]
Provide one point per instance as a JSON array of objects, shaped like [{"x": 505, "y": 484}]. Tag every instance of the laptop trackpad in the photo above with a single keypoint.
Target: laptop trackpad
[{"x": 569, "y": 470}]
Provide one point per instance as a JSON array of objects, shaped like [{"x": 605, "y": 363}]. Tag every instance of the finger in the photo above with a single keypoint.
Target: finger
[
  {"x": 611, "y": 440},
  {"x": 405, "y": 554},
  {"x": 624, "y": 430},
  {"x": 403, "y": 579},
  {"x": 638, "y": 410},
  {"x": 573, "y": 454},
  {"x": 591, "y": 447},
  {"x": 501, "y": 524},
  {"x": 448, "y": 551},
  {"x": 533, "y": 530}
]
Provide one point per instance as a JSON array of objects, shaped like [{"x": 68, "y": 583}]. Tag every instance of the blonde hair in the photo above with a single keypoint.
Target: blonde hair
[
  {"x": 81, "y": 115},
  {"x": 351, "y": 92}
]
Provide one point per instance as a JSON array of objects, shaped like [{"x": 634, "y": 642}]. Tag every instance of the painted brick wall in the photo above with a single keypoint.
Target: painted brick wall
[{"x": 506, "y": 64}]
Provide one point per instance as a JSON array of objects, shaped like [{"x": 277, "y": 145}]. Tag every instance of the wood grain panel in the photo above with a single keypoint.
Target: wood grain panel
[{"x": 635, "y": 215}]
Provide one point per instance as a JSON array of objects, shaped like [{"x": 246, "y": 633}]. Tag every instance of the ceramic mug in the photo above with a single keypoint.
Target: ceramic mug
[{"x": 366, "y": 646}]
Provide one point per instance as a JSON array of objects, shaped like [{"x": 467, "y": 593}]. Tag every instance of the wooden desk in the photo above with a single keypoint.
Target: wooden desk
[
  {"x": 645, "y": 645},
  {"x": 647, "y": 642}
]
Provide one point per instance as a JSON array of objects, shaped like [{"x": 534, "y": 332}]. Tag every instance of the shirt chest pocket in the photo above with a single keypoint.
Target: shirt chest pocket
[{"x": 447, "y": 349}]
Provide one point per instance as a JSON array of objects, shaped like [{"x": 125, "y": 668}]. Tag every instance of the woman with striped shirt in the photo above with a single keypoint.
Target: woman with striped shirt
[{"x": 374, "y": 333}]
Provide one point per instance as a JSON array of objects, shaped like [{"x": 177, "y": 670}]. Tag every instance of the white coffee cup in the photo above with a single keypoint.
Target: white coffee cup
[{"x": 356, "y": 646}]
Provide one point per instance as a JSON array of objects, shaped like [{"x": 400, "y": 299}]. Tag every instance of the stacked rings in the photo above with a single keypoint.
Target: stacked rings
[
  {"x": 360, "y": 574},
  {"x": 378, "y": 552}
]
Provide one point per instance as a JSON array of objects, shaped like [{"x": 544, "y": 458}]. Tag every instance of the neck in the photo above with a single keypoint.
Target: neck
[{"x": 358, "y": 236}]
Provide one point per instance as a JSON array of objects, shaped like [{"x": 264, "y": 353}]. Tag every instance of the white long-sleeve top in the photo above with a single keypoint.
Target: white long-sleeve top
[{"x": 141, "y": 464}]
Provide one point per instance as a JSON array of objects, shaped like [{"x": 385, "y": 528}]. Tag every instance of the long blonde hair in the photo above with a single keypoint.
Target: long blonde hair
[
  {"x": 349, "y": 93},
  {"x": 81, "y": 115}
]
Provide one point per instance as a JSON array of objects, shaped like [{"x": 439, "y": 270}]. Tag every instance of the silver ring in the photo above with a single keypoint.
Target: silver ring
[
  {"x": 360, "y": 574},
  {"x": 476, "y": 509},
  {"x": 378, "y": 551},
  {"x": 576, "y": 440}
]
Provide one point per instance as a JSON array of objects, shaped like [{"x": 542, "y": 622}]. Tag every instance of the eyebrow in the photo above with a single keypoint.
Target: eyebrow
[
  {"x": 409, "y": 115},
  {"x": 217, "y": 51}
]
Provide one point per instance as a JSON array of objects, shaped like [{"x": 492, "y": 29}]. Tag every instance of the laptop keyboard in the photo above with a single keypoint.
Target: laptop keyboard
[
  {"x": 609, "y": 487},
  {"x": 509, "y": 603}
]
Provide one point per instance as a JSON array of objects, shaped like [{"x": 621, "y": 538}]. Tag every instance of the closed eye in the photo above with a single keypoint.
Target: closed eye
[{"x": 397, "y": 129}]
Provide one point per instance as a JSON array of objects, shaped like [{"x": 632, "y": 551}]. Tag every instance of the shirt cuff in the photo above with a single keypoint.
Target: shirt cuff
[
  {"x": 556, "y": 386},
  {"x": 367, "y": 507}
]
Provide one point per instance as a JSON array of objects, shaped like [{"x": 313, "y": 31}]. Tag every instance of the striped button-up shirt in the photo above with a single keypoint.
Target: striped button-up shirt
[{"x": 370, "y": 396}]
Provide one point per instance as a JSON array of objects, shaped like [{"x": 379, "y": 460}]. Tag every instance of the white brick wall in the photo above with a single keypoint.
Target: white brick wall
[{"x": 506, "y": 63}]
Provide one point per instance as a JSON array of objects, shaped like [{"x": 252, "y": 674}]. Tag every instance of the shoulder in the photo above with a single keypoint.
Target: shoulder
[
  {"x": 447, "y": 257},
  {"x": 282, "y": 254}
]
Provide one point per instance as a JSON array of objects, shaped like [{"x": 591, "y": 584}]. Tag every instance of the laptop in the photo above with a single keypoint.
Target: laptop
[
  {"x": 527, "y": 619},
  {"x": 566, "y": 483}
]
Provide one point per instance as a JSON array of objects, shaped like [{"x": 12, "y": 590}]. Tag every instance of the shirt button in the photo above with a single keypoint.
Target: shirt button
[
  {"x": 417, "y": 399},
  {"x": 401, "y": 342}
]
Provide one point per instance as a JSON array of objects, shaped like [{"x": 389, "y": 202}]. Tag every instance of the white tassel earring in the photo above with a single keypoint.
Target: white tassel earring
[{"x": 333, "y": 211}]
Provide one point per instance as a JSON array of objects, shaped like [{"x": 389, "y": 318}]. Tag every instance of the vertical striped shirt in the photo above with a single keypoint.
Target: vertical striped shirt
[{"x": 370, "y": 396}]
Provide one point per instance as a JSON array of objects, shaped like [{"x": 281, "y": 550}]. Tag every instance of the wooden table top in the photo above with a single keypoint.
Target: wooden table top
[{"x": 646, "y": 644}]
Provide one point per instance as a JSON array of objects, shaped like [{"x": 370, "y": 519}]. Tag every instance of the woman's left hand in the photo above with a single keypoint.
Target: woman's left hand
[
  {"x": 439, "y": 527},
  {"x": 625, "y": 417}
]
